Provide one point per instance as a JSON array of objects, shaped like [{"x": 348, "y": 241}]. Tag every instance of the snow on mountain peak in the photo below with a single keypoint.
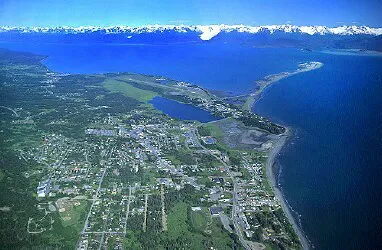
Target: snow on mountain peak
[{"x": 208, "y": 31}]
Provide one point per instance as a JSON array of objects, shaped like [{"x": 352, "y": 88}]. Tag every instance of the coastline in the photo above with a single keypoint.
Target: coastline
[
  {"x": 280, "y": 143},
  {"x": 272, "y": 155}
]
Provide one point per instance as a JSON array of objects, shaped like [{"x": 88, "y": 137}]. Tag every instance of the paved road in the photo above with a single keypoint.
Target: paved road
[
  {"x": 145, "y": 213},
  {"x": 234, "y": 199},
  {"x": 95, "y": 198},
  {"x": 127, "y": 209},
  {"x": 235, "y": 216}
]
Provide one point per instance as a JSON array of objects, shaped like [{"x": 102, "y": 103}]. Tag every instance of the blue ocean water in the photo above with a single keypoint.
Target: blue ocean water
[
  {"x": 331, "y": 169},
  {"x": 219, "y": 67},
  {"x": 181, "y": 111}
]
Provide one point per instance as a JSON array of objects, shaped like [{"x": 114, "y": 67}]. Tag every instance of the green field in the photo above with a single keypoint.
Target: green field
[
  {"x": 72, "y": 216},
  {"x": 129, "y": 91},
  {"x": 220, "y": 239},
  {"x": 249, "y": 103},
  {"x": 178, "y": 227},
  {"x": 198, "y": 228},
  {"x": 212, "y": 129},
  {"x": 200, "y": 219}
]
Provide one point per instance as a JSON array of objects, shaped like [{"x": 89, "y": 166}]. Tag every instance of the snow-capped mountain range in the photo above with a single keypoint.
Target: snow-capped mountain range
[
  {"x": 306, "y": 37},
  {"x": 205, "y": 32}
]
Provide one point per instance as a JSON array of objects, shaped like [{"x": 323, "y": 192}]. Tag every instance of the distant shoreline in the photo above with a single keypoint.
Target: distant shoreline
[{"x": 352, "y": 52}]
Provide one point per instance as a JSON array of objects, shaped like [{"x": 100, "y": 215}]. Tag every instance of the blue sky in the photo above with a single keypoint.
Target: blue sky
[{"x": 189, "y": 12}]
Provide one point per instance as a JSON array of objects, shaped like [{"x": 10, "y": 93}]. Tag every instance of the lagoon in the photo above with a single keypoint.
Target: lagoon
[{"x": 181, "y": 111}]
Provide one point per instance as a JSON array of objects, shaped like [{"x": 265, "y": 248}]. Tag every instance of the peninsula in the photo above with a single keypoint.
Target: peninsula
[
  {"x": 89, "y": 163},
  {"x": 262, "y": 84}
]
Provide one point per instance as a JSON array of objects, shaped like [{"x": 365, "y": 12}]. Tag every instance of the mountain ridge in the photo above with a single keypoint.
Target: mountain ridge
[
  {"x": 205, "y": 32},
  {"x": 305, "y": 37}
]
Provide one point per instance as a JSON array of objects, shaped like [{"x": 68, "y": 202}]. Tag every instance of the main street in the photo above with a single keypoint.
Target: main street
[{"x": 234, "y": 215}]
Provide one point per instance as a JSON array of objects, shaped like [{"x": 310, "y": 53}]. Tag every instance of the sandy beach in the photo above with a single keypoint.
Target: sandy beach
[{"x": 272, "y": 155}]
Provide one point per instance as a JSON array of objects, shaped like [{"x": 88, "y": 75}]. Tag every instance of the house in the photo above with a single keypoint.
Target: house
[
  {"x": 215, "y": 210},
  {"x": 43, "y": 188},
  {"x": 166, "y": 181},
  {"x": 218, "y": 180},
  {"x": 196, "y": 209},
  {"x": 209, "y": 140}
]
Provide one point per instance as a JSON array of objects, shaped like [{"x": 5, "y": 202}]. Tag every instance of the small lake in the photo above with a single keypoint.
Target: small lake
[{"x": 182, "y": 111}]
